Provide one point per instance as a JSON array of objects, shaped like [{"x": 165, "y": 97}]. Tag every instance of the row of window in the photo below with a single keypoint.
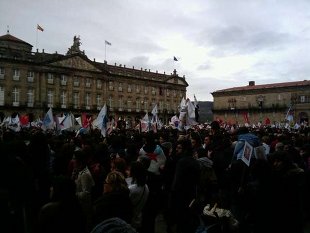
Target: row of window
[
  {"x": 298, "y": 99},
  {"x": 76, "y": 100},
  {"x": 88, "y": 83}
]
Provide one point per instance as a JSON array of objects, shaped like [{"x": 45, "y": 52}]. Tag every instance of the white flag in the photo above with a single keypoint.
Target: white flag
[
  {"x": 68, "y": 122},
  {"x": 145, "y": 123},
  {"x": 48, "y": 121},
  {"x": 15, "y": 123},
  {"x": 101, "y": 121},
  {"x": 155, "y": 110},
  {"x": 182, "y": 105},
  {"x": 190, "y": 109}
]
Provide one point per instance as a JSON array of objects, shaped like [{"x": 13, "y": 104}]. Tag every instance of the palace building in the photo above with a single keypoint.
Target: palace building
[
  {"x": 31, "y": 82},
  {"x": 277, "y": 102}
]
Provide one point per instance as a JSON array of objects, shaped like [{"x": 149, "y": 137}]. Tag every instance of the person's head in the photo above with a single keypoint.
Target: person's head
[
  {"x": 279, "y": 146},
  {"x": 305, "y": 149},
  {"x": 138, "y": 173},
  {"x": 149, "y": 142},
  {"x": 195, "y": 140},
  {"x": 184, "y": 147},
  {"x": 201, "y": 152},
  {"x": 113, "y": 225},
  {"x": 167, "y": 148},
  {"x": 163, "y": 138},
  {"x": 81, "y": 158},
  {"x": 149, "y": 139},
  {"x": 280, "y": 160},
  {"x": 62, "y": 189},
  {"x": 215, "y": 126},
  {"x": 179, "y": 148},
  {"x": 145, "y": 161},
  {"x": 119, "y": 164},
  {"x": 207, "y": 140},
  {"x": 115, "y": 182}
]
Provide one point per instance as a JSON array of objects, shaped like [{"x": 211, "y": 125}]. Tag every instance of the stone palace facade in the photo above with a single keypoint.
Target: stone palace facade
[{"x": 31, "y": 82}]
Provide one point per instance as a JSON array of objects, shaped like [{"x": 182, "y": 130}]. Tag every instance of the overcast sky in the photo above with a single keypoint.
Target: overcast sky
[{"x": 219, "y": 43}]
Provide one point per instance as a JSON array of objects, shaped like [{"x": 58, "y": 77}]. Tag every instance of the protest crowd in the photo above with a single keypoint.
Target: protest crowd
[{"x": 211, "y": 178}]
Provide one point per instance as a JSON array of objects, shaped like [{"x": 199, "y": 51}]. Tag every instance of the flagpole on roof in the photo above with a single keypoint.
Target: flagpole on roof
[
  {"x": 36, "y": 38},
  {"x": 105, "y": 48},
  {"x": 38, "y": 28}
]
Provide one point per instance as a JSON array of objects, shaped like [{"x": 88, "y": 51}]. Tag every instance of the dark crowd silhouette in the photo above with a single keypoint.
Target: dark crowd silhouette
[{"x": 197, "y": 180}]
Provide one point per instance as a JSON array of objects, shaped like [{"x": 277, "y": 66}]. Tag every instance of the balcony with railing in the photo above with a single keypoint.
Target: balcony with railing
[
  {"x": 15, "y": 104},
  {"x": 30, "y": 79},
  {"x": 15, "y": 77}
]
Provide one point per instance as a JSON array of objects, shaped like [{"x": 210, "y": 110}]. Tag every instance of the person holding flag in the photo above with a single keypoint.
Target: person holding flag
[{"x": 196, "y": 109}]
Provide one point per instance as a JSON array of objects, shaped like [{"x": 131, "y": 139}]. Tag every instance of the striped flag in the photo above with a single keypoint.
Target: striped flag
[{"x": 40, "y": 28}]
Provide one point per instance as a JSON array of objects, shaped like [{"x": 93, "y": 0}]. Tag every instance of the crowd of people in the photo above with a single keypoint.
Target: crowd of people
[{"x": 121, "y": 183}]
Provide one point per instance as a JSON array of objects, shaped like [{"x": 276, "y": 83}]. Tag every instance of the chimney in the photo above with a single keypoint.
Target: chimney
[{"x": 251, "y": 83}]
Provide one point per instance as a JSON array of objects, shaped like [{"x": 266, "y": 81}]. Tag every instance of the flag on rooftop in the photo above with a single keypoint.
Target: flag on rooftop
[
  {"x": 107, "y": 42},
  {"x": 40, "y": 28}
]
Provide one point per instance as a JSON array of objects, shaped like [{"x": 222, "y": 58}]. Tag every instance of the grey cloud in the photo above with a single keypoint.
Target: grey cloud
[
  {"x": 139, "y": 62},
  {"x": 236, "y": 40},
  {"x": 205, "y": 66}
]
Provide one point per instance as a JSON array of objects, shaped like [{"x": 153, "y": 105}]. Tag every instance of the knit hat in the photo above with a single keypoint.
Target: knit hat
[{"x": 113, "y": 225}]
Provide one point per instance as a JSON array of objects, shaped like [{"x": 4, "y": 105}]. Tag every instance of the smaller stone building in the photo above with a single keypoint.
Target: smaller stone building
[{"x": 263, "y": 103}]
